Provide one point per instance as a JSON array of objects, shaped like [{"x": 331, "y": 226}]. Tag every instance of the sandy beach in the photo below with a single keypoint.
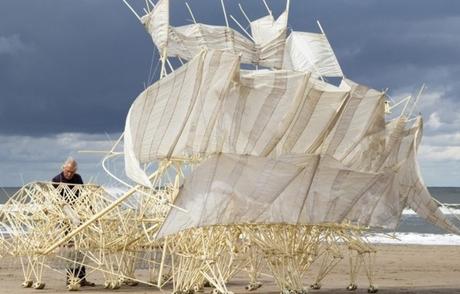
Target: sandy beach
[{"x": 400, "y": 269}]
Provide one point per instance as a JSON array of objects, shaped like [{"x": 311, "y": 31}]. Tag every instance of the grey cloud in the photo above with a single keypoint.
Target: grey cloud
[
  {"x": 11, "y": 45},
  {"x": 92, "y": 58},
  {"x": 28, "y": 158}
]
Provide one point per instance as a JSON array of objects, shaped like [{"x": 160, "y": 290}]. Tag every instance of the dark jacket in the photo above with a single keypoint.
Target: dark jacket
[{"x": 76, "y": 179}]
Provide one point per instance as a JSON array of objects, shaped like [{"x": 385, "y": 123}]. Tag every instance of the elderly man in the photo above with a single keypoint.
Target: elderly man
[{"x": 69, "y": 176}]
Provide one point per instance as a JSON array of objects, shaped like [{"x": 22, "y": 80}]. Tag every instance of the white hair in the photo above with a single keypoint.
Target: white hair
[{"x": 70, "y": 162}]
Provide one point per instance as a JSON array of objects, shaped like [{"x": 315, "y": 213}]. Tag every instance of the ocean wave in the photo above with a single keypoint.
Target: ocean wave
[
  {"x": 445, "y": 210},
  {"x": 415, "y": 239}
]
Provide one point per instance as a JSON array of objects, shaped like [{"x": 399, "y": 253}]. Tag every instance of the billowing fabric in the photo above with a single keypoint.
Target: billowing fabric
[
  {"x": 298, "y": 189},
  {"x": 188, "y": 41},
  {"x": 282, "y": 146},
  {"x": 259, "y": 110},
  {"x": 157, "y": 24},
  {"x": 199, "y": 110},
  {"x": 266, "y": 29},
  {"x": 262, "y": 113},
  {"x": 270, "y": 38},
  {"x": 175, "y": 116},
  {"x": 415, "y": 191},
  {"x": 362, "y": 114},
  {"x": 404, "y": 186},
  {"x": 311, "y": 52},
  {"x": 314, "y": 119}
]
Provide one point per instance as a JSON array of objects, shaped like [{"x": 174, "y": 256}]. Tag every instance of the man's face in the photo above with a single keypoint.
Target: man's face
[{"x": 69, "y": 171}]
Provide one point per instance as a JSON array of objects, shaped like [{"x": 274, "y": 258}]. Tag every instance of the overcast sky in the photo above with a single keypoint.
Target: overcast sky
[{"x": 69, "y": 70}]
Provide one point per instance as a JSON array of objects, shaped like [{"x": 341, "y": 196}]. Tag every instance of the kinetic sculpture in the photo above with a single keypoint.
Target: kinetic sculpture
[{"x": 271, "y": 167}]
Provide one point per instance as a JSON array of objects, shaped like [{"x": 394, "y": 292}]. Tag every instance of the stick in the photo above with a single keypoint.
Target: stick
[
  {"x": 225, "y": 13},
  {"x": 241, "y": 27},
  {"x": 268, "y": 8},
  {"x": 422, "y": 88},
  {"x": 244, "y": 13},
  {"x": 190, "y": 11},
  {"x": 132, "y": 10}
]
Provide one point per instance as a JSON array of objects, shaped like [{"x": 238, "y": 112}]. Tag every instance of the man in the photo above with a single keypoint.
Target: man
[{"x": 69, "y": 176}]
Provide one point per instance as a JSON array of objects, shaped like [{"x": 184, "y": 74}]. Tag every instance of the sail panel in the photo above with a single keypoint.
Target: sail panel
[
  {"x": 363, "y": 110},
  {"x": 261, "y": 108},
  {"x": 157, "y": 24},
  {"x": 311, "y": 52},
  {"x": 266, "y": 28},
  {"x": 233, "y": 189},
  {"x": 174, "y": 116},
  {"x": 313, "y": 120}
]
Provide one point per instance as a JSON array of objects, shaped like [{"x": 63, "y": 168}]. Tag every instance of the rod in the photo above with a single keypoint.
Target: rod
[
  {"x": 225, "y": 12},
  {"x": 405, "y": 106},
  {"x": 99, "y": 151},
  {"x": 147, "y": 5},
  {"x": 422, "y": 88},
  {"x": 100, "y": 214},
  {"x": 244, "y": 13},
  {"x": 169, "y": 65},
  {"x": 190, "y": 11},
  {"x": 268, "y": 8},
  {"x": 320, "y": 27},
  {"x": 399, "y": 102},
  {"x": 163, "y": 61},
  {"x": 241, "y": 27},
  {"x": 288, "y": 5},
  {"x": 132, "y": 10}
]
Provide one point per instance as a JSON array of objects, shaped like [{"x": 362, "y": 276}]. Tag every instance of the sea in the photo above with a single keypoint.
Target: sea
[{"x": 412, "y": 229}]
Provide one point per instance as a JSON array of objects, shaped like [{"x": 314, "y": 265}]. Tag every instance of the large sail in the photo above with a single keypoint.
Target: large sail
[
  {"x": 235, "y": 189},
  {"x": 325, "y": 140},
  {"x": 175, "y": 116}
]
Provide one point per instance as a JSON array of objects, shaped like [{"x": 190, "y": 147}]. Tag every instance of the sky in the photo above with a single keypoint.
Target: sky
[{"x": 69, "y": 71}]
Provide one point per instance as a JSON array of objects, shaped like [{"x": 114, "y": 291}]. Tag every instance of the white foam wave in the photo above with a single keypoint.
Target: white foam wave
[
  {"x": 415, "y": 239},
  {"x": 445, "y": 210}
]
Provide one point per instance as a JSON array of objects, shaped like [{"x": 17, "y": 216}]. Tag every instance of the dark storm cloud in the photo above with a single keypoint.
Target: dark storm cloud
[
  {"x": 80, "y": 66},
  {"x": 76, "y": 66}
]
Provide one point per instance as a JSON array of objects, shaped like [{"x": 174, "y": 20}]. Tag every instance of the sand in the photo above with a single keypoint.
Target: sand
[{"x": 400, "y": 269}]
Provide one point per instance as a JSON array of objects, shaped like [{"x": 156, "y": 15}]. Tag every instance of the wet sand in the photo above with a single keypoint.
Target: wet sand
[{"x": 399, "y": 269}]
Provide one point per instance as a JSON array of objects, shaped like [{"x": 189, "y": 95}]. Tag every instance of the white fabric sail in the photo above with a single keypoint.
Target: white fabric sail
[
  {"x": 281, "y": 145},
  {"x": 256, "y": 112},
  {"x": 270, "y": 39},
  {"x": 417, "y": 195},
  {"x": 362, "y": 115},
  {"x": 266, "y": 29},
  {"x": 404, "y": 186},
  {"x": 299, "y": 189},
  {"x": 314, "y": 119},
  {"x": 311, "y": 52},
  {"x": 157, "y": 24},
  {"x": 260, "y": 109},
  {"x": 187, "y": 41},
  {"x": 175, "y": 116}
]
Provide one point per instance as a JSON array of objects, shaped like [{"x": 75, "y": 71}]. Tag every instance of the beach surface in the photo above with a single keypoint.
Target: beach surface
[{"x": 399, "y": 269}]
